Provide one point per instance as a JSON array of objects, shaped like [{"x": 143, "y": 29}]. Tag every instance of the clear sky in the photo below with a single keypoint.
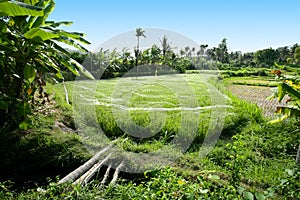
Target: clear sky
[{"x": 248, "y": 25}]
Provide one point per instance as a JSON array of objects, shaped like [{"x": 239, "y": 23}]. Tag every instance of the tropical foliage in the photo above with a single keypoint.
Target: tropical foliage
[
  {"x": 289, "y": 86},
  {"x": 253, "y": 159},
  {"x": 30, "y": 53},
  {"x": 231, "y": 64}
]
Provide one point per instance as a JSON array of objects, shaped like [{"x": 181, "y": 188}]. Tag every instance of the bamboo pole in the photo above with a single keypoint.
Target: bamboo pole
[
  {"x": 86, "y": 166},
  {"x": 104, "y": 180},
  {"x": 66, "y": 92},
  {"x": 86, "y": 177},
  {"x": 116, "y": 174}
]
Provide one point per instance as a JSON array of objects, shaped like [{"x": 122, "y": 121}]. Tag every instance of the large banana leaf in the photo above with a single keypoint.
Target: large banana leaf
[
  {"x": 291, "y": 91},
  {"x": 281, "y": 91},
  {"x": 71, "y": 42},
  {"x": 40, "y": 33},
  {"x": 57, "y": 24},
  {"x": 32, "y": 2},
  {"x": 41, "y": 20},
  {"x": 72, "y": 35},
  {"x": 48, "y": 61},
  {"x": 286, "y": 112},
  {"x": 290, "y": 111},
  {"x": 280, "y": 119},
  {"x": 284, "y": 89},
  {"x": 14, "y": 8},
  {"x": 23, "y": 28},
  {"x": 32, "y": 19},
  {"x": 57, "y": 47},
  {"x": 70, "y": 67},
  {"x": 82, "y": 69}
]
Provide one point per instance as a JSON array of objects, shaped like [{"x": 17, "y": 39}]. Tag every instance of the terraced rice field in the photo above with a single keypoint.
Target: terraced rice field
[
  {"x": 257, "y": 95},
  {"x": 172, "y": 109}
]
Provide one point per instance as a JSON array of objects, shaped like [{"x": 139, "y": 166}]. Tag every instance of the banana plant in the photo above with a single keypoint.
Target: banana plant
[
  {"x": 290, "y": 86},
  {"x": 30, "y": 49}
]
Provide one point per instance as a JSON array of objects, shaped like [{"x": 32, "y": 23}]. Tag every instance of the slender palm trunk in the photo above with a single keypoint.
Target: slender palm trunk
[{"x": 137, "y": 54}]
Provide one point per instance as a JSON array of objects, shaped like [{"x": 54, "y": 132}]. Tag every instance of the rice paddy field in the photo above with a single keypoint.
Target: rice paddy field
[
  {"x": 151, "y": 113},
  {"x": 179, "y": 136},
  {"x": 170, "y": 111},
  {"x": 266, "y": 81}
]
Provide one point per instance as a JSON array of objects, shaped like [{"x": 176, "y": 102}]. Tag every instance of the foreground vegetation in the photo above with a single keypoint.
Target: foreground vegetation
[{"x": 253, "y": 159}]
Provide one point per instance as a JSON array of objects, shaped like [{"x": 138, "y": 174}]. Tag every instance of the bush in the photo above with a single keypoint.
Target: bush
[{"x": 246, "y": 72}]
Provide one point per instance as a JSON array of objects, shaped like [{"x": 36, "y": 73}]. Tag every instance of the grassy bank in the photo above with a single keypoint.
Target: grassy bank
[{"x": 251, "y": 158}]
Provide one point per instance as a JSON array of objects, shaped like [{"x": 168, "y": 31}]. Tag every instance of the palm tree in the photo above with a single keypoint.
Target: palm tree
[
  {"x": 138, "y": 33},
  {"x": 202, "y": 50},
  {"x": 165, "y": 46}
]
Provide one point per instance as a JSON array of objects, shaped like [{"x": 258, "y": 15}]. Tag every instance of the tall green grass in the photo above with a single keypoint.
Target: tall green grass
[
  {"x": 148, "y": 108},
  {"x": 251, "y": 156}
]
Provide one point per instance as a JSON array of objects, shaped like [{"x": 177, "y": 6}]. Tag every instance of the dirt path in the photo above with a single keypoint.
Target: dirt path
[{"x": 257, "y": 95}]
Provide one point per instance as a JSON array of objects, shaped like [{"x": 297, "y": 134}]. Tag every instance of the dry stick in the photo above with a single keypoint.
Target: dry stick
[
  {"x": 85, "y": 178},
  {"x": 116, "y": 174},
  {"x": 106, "y": 174},
  {"x": 86, "y": 166},
  {"x": 66, "y": 92}
]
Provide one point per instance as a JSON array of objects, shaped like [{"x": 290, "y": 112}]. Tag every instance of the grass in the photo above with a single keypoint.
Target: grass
[
  {"x": 251, "y": 156},
  {"x": 160, "y": 106},
  {"x": 50, "y": 148}
]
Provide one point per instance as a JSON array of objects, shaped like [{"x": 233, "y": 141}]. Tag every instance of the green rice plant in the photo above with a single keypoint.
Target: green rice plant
[
  {"x": 263, "y": 150},
  {"x": 118, "y": 110}
]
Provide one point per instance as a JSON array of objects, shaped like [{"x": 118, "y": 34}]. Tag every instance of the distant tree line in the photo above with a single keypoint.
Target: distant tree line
[
  {"x": 111, "y": 63},
  {"x": 264, "y": 58}
]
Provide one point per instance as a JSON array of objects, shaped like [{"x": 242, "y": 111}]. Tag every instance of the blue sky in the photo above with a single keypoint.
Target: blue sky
[{"x": 248, "y": 25}]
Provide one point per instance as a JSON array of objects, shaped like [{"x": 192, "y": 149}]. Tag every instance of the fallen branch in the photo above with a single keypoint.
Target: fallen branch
[
  {"x": 66, "y": 92},
  {"x": 85, "y": 178},
  {"x": 116, "y": 174},
  {"x": 104, "y": 180},
  {"x": 86, "y": 166}
]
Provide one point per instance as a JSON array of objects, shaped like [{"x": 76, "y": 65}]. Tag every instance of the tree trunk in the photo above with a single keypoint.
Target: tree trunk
[{"x": 137, "y": 55}]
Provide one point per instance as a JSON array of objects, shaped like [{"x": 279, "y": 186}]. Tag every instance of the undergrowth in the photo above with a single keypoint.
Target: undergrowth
[{"x": 252, "y": 160}]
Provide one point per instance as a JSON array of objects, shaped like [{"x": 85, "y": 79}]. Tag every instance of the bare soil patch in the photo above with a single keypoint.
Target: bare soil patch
[{"x": 257, "y": 95}]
